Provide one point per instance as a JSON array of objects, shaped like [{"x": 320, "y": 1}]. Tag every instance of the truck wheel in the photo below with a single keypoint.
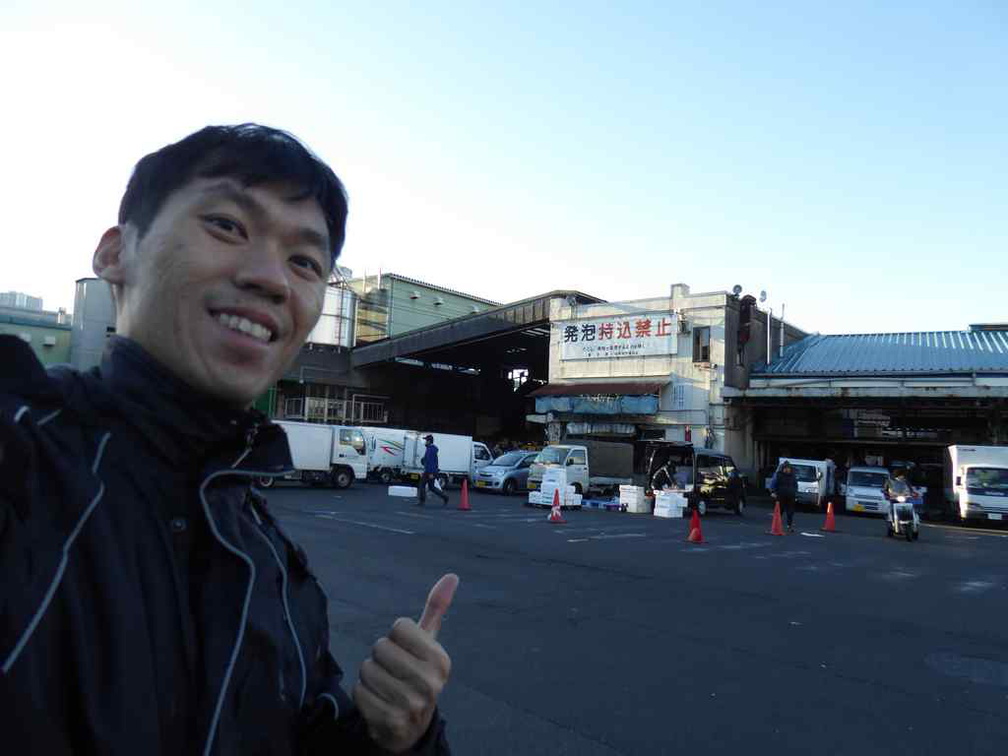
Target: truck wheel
[
  {"x": 577, "y": 489},
  {"x": 739, "y": 507},
  {"x": 385, "y": 477},
  {"x": 342, "y": 477},
  {"x": 509, "y": 487},
  {"x": 264, "y": 481}
]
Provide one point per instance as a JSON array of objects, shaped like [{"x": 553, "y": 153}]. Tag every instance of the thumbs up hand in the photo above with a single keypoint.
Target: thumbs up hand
[{"x": 400, "y": 682}]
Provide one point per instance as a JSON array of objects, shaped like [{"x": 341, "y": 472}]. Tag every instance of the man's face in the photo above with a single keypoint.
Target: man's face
[{"x": 225, "y": 285}]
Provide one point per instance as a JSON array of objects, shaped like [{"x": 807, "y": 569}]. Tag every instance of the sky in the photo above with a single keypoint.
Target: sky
[{"x": 850, "y": 159}]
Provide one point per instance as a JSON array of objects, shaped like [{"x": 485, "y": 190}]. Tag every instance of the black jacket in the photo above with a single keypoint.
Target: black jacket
[
  {"x": 786, "y": 484},
  {"x": 150, "y": 603}
]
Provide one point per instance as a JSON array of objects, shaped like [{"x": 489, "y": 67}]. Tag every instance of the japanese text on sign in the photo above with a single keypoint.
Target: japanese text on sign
[{"x": 641, "y": 335}]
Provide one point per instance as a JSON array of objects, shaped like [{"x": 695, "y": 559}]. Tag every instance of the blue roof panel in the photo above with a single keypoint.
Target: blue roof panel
[{"x": 925, "y": 352}]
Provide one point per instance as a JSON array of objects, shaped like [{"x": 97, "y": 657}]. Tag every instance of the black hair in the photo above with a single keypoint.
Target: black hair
[{"x": 252, "y": 154}]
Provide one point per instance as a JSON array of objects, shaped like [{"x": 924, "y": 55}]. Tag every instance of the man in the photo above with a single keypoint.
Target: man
[
  {"x": 430, "y": 473},
  {"x": 664, "y": 476},
  {"x": 151, "y": 603},
  {"x": 897, "y": 485},
  {"x": 785, "y": 490}
]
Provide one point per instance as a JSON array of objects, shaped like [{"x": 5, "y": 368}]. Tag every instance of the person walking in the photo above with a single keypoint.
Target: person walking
[
  {"x": 430, "y": 473},
  {"x": 785, "y": 491}
]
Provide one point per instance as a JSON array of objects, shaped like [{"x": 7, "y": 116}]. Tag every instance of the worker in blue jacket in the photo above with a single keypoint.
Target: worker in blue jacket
[{"x": 430, "y": 473}]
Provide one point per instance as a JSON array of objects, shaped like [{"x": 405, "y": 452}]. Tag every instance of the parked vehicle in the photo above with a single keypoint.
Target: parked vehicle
[
  {"x": 508, "y": 473},
  {"x": 386, "y": 448},
  {"x": 816, "y": 480},
  {"x": 324, "y": 454},
  {"x": 458, "y": 457},
  {"x": 591, "y": 465},
  {"x": 976, "y": 482},
  {"x": 865, "y": 490},
  {"x": 709, "y": 479}
]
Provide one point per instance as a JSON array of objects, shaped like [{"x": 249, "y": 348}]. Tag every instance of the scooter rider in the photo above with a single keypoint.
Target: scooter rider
[{"x": 896, "y": 485}]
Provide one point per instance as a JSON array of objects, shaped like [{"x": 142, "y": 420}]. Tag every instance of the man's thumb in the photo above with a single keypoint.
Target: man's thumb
[{"x": 438, "y": 601}]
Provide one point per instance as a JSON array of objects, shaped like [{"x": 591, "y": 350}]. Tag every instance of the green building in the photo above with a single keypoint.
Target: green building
[
  {"x": 48, "y": 333},
  {"x": 389, "y": 305}
]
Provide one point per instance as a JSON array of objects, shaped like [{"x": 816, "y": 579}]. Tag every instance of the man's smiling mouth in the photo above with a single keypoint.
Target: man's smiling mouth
[{"x": 246, "y": 326}]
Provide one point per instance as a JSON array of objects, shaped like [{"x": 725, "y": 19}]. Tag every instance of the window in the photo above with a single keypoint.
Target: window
[
  {"x": 577, "y": 457},
  {"x": 352, "y": 438},
  {"x": 708, "y": 469},
  {"x": 527, "y": 462},
  {"x": 701, "y": 344},
  {"x": 679, "y": 396},
  {"x": 481, "y": 453}
]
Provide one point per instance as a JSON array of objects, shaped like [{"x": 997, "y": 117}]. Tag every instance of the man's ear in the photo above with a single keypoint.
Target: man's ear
[{"x": 108, "y": 261}]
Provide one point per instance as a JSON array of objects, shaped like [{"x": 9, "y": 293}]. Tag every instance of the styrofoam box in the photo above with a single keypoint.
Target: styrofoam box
[
  {"x": 402, "y": 491},
  {"x": 669, "y": 499},
  {"x": 574, "y": 500},
  {"x": 669, "y": 512},
  {"x": 639, "y": 507},
  {"x": 555, "y": 475},
  {"x": 535, "y": 497}
]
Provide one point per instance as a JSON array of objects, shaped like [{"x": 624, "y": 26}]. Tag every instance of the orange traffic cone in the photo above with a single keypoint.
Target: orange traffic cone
[
  {"x": 830, "y": 525},
  {"x": 464, "y": 499},
  {"x": 695, "y": 534},
  {"x": 776, "y": 527},
  {"x": 555, "y": 516}
]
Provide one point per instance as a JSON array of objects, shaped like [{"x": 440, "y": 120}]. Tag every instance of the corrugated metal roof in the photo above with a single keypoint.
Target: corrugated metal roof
[
  {"x": 924, "y": 352},
  {"x": 624, "y": 388}
]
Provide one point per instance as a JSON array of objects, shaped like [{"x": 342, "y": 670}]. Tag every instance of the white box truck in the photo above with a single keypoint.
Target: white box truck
[
  {"x": 386, "y": 448},
  {"x": 458, "y": 456},
  {"x": 324, "y": 454},
  {"x": 816, "y": 480},
  {"x": 976, "y": 482}
]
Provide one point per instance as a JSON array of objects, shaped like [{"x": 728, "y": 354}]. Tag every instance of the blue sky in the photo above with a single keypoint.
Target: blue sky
[{"x": 849, "y": 159}]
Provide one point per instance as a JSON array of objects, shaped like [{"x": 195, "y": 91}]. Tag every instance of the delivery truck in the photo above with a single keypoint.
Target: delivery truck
[
  {"x": 324, "y": 454},
  {"x": 386, "y": 448},
  {"x": 591, "y": 465},
  {"x": 976, "y": 482},
  {"x": 458, "y": 457}
]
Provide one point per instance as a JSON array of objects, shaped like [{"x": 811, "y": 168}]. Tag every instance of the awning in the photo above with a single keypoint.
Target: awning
[{"x": 625, "y": 388}]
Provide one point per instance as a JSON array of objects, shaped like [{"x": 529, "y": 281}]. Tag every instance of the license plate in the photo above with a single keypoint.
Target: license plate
[
  {"x": 858, "y": 508},
  {"x": 532, "y": 485},
  {"x": 481, "y": 484},
  {"x": 993, "y": 516}
]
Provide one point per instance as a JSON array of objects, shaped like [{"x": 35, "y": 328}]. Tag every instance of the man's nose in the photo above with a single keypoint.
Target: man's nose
[{"x": 262, "y": 269}]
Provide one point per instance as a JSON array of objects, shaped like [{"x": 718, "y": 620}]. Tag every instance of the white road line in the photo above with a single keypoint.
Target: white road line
[
  {"x": 975, "y": 586},
  {"x": 414, "y": 514},
  {"x": 481, "y": 525},
  {"x": 365, "y": 524}
]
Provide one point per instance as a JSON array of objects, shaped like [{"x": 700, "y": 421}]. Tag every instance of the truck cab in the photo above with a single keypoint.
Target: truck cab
[
  {"x": 977, "y": 482},
  {"x": 865, "y": 490},
  {"x": 572, "y": 458}
]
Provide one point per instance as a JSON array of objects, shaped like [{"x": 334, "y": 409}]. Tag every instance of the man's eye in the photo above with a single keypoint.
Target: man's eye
[
  {"x": 226, "y": 225},
  {"x": 306, "y": 262}
]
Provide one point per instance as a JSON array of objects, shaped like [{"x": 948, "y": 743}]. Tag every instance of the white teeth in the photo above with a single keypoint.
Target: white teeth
[{"x": 246, "y": 326}]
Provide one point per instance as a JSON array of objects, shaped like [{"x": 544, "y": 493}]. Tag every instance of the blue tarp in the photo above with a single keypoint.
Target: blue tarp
[{"x": 594, "y": 405}]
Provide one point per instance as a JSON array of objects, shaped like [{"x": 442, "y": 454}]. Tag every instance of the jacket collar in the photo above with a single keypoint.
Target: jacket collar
[{"x": 185, "y": 425}]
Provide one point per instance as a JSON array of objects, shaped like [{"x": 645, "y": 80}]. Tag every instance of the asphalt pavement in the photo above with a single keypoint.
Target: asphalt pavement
[{"x": 611, "y": 634}]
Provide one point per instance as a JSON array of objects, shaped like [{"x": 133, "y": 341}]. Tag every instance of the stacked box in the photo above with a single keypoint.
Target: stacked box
[
  {"x": 548, "y": 489},
  {"x": 669, "y": 504},
  {"x": 555, "y": 475},
  {"x": 632, "y": 499},
  {"x": 574, "y": 500},
  {"x": 535, "y": 498}
]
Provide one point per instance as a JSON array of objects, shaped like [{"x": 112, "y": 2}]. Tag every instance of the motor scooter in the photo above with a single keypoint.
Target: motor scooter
[{"x": 903, "y": 519}]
